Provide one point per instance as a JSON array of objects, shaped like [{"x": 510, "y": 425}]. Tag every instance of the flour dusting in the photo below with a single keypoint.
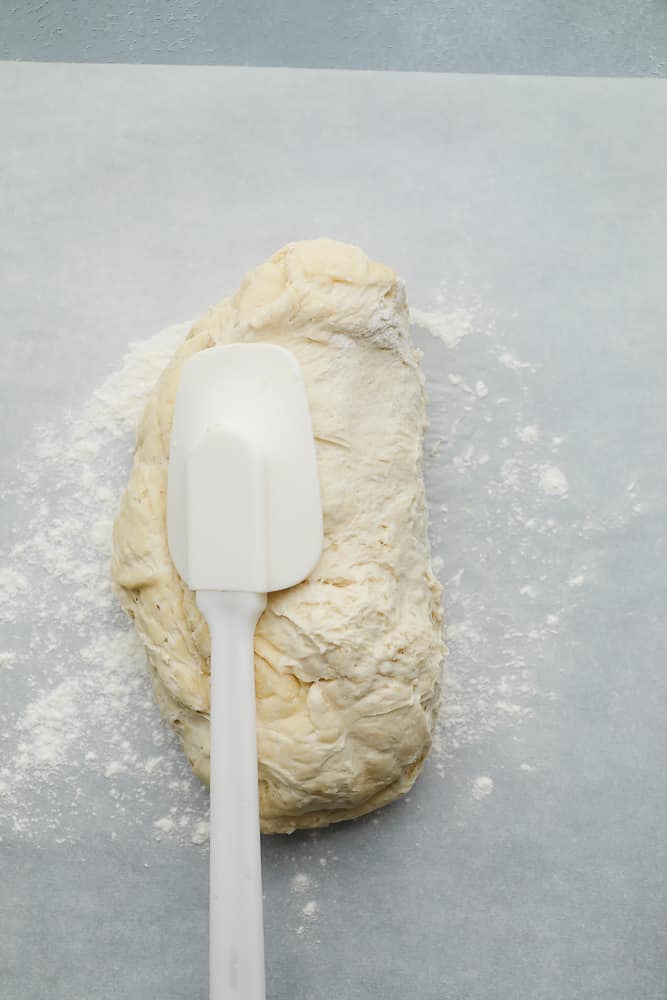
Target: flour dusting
[
  {"x": 301, "y": 882},
  {"x": 452, "y": 319},
  {"x": 529, "y": 434},
  {"x": 506, "y": 537},
  {"x": 553, "y": 481},
  {"x": 482, "y": 787},
  {"x": 85, "y": 707}
]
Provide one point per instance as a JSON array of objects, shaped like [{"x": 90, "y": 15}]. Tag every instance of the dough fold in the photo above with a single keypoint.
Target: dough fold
[{"x": 348, "y": 663}]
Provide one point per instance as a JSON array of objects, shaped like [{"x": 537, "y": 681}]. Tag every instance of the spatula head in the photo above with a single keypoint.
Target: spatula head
[{"x": 243, "y": 503}]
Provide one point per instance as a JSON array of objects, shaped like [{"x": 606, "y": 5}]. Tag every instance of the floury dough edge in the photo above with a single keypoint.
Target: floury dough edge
[{"x": 348, "y": 663}]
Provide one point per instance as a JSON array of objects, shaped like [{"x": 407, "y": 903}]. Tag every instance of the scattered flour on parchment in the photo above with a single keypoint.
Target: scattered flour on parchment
[
  {"x": 450, "y": 327},
  {"x": 302, "y": 886},
  {"x": 482, "y": 787},
  {"x": 529, "y": 434},
  {"x": 553, "y": 481},
  {"x": 84, "y": 714},
  {"x": 452, "y": 318},
  {"x": 506, "y": 539},
  {"x": 509, "y": 361},
  {"x": 7, "y": 659},
  {"x": 301, "y": 882}
]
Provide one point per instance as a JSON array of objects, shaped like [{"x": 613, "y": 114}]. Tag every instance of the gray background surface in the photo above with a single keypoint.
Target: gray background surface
[
  {"x": 135, "y": 196},
  {"x": 567, "y": 37}
]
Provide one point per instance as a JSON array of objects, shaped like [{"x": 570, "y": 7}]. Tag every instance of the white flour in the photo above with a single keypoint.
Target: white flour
[
  {"x": 451, "y": 327},
  {"x": 529, "y": 435},
  {"x": 301, "y": 882},
  {"x": 553, "y": 481},
  {"x": 506, "y": 538},
  {"x": 85, "y": 718},
  {"x": 88, "y": 712},
  {"x": 509, "y": 361},
  {"x": 482, "y": 787}
]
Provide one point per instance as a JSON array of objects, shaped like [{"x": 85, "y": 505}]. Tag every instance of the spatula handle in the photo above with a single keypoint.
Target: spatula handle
[{"x": 236, "y": 931}]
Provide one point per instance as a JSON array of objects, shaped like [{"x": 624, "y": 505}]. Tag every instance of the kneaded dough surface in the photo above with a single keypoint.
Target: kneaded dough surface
[{"x": 348, "y": 663}]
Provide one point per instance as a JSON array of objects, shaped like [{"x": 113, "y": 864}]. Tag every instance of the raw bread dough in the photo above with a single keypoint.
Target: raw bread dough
[{"x": 348, "y": 663}]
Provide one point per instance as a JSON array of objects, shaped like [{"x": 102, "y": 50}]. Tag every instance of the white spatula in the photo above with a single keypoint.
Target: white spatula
[{"x": 243, "y": 518}]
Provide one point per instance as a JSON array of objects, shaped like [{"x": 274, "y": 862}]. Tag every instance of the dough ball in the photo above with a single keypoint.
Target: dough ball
[{"x": 348, "y": 663}]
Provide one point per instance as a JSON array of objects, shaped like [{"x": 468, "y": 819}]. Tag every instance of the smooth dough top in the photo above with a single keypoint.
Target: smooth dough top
[{"x": 348, "y": 663}]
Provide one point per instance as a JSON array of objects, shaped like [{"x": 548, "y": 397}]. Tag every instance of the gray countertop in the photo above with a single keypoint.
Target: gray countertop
[
  {"x": 596, "y": 38},
  {"x": 528, "y": 863}
]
